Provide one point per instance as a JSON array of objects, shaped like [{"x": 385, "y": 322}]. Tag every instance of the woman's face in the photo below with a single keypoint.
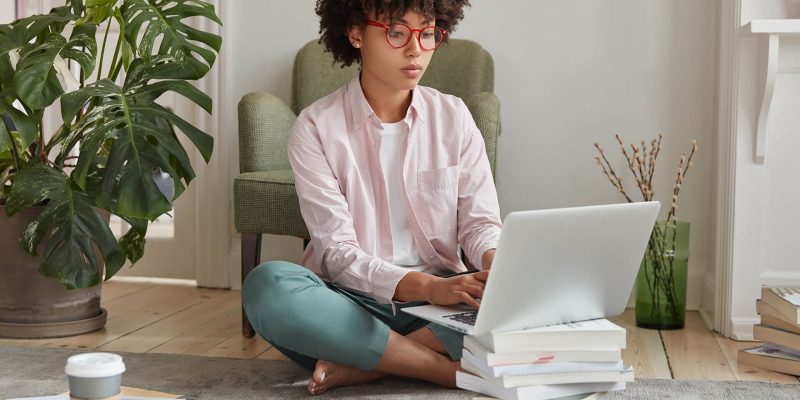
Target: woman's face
[{"x": 396, "y": 69}]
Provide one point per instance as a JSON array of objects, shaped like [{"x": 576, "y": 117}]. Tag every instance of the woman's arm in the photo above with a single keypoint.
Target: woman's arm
[
  {"x": 326, "y": 214},
  {"x": 479, "y": 222}
]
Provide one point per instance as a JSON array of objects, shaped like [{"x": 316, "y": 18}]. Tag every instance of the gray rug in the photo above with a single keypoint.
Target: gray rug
[{"x": 27, "y": 372}]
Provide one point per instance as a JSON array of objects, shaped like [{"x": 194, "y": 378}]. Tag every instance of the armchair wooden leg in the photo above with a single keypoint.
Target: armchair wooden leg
[{"x": 251, "y": 257}]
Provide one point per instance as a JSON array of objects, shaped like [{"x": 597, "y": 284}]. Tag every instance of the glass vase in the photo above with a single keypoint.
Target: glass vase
[{"x": 661, "y": 282}]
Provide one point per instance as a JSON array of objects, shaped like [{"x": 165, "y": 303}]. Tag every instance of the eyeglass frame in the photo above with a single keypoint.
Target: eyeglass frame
[{"x": 411, "y": 30}]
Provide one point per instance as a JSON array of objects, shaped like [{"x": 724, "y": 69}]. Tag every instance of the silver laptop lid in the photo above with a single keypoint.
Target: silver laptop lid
[{"x": 562, "y": 265}]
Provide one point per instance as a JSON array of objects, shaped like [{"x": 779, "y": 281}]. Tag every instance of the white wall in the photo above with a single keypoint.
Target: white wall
[
  {"x": 8, "y": 11},
  {"x": 766, "y": 213},
  {"x": 568, "y": 74}
]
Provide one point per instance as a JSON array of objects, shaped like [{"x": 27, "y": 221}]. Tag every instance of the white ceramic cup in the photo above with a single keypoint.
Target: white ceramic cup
[{"x": 94, "y": 375}]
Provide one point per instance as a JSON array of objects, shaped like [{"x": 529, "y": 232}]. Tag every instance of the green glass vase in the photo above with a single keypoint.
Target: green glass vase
[{"x": 661, "y": 282}]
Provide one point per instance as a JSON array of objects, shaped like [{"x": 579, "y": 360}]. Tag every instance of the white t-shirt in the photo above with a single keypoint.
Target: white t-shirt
[{"x": 405, "y": 252}]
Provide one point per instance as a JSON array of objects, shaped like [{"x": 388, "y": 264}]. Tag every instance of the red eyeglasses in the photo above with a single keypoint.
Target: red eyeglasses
[{"x": 398, "y": 35}]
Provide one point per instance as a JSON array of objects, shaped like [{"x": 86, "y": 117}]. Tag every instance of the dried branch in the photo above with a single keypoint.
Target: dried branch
[{"x": 609, "y": 171}]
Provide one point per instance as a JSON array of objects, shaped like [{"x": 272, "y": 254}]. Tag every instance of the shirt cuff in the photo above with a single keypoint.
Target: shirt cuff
[{"x": 385, "y": 281}]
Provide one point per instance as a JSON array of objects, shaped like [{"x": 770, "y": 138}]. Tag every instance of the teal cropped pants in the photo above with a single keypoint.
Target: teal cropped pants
[{"x": 308, "y": 319}]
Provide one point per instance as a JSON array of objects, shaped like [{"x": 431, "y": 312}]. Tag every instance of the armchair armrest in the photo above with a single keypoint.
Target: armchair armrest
[
  {"x": 264, "y": 123},
  {"x": 485, "y": 110}
]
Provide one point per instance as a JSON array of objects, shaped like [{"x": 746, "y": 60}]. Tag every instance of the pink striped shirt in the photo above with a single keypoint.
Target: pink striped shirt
[{"x": 334, "y": 149}]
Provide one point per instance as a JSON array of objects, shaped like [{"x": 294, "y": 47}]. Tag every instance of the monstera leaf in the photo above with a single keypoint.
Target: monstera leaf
[
  {"x": 20, "y": 32},
  {"x": 98, "y": 11},
  {"x": 36, "y": 80},
  {"x": 141, "y": 139},
  {"x": 25, "y": 127},
  {"x": 163, "y": 19},
  {"x": 74, "y": 227}
]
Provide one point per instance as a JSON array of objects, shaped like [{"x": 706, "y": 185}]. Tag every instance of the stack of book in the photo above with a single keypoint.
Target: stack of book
[
  {"x": 779, "y": 309},
  {"x": 578, "y": 359}
]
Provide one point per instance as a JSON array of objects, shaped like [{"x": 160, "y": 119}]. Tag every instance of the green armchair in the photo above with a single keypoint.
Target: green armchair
[{"x": 264, "y": 198}]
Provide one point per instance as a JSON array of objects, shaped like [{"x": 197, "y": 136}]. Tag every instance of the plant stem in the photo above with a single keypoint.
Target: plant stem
[
  {"x": 114, "y": 69},
  {"x": 103, "y": 50},
  {"x": 42, "y": 152},
  {"x": 14, "y": 151}
]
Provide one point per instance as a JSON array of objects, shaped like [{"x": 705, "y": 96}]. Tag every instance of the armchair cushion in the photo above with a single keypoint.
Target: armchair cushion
[
  {"x": 264, "y": 123},
  {"x": 266, "y": 202}
]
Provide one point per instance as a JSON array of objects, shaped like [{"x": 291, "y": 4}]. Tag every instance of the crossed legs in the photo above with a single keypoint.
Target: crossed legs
[{"x": 292, "y": 309}]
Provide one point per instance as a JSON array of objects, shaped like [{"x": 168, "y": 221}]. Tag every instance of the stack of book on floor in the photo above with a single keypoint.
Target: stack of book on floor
[
  {"x": 779, "y": 329},
  {"x": 577, "y": 359}
]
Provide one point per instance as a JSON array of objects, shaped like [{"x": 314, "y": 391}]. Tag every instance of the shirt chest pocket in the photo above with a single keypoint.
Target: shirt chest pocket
[{"x": 438, "y": 199}]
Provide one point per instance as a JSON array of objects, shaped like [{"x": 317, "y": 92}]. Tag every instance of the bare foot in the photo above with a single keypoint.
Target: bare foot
[{"x": 328, "y": 375}]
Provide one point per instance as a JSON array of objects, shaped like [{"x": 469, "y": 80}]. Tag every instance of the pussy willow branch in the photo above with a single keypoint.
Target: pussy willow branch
[
  {"x": 609, "y": 171},
  {"x": 679, "y": 180},
  {"x": 642, "y": 164}
]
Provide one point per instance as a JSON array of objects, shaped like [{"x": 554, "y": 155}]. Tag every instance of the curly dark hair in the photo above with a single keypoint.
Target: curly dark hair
[{"x": 338, "y": 16}]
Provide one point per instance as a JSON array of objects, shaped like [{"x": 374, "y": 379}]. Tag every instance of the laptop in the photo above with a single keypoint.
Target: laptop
[{"x": 556, "y": 266}]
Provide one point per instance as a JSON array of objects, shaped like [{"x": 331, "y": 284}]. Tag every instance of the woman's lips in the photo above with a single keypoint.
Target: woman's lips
[{"x": 412, "y": 71}]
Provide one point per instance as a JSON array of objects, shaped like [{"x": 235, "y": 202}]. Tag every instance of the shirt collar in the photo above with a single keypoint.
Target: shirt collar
[{"x": 360, "y": 109}]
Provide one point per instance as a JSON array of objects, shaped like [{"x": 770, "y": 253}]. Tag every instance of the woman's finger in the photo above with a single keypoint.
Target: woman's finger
[
  {"x": 468, "y": 300},
  {"x": 476, "y": 291},
  {"x": 480, "y": 275}
]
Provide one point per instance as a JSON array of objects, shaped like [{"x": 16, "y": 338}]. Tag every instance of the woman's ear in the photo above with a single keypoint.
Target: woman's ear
[{"x": 355, "y": 36}]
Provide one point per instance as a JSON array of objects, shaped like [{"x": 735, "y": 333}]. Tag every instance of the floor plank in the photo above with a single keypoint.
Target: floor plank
[
  {"x": 127, "y": 314},
  {"x": 693, "y": 353},
  {"x": 272, "y": 354},
  {"x": 643, "y": 351},
  {"x": 184, "y": 321},
  {"x": 206, "y": 337},
  {"x": 730, "y": 349},
  {"x": 112, "y": 290}
]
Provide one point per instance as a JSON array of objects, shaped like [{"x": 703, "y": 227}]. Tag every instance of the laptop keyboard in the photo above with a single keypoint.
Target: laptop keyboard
[{"x": 464, "y": 317}]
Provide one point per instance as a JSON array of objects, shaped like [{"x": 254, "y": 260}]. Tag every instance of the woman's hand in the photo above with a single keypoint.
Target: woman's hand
[{"x": 467, "y": 289}]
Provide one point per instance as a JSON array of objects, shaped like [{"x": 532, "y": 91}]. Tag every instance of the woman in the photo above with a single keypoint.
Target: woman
[{"x": 392, "y": 178}]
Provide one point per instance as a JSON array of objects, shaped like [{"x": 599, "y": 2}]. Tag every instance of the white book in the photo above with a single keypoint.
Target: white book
[
  {"x": 600, "y": 354},
  {"x": 541, "y": 392},
  {"x": 540, "y": 368},
  {"x": 584, "y": 396},
  {"x": 508, "y": 381},
  {"x": 582, "y": 335}
]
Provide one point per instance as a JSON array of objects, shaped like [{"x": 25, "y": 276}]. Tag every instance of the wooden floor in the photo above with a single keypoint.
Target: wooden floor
[{"x": 151, "y": 318}]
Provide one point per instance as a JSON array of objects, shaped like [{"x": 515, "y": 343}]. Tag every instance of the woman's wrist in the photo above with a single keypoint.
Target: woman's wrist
[
  {"x": 487, "y": 259},
  {"x": 415, "y": 286}
]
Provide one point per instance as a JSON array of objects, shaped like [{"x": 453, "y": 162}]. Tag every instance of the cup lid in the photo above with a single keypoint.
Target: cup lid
[{"x": 94, "y": 365}]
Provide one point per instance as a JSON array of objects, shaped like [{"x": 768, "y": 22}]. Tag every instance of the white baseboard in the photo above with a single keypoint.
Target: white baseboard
[
  {"x": 707, "y": 303},
  {"x": 157, "y": 281},
  {"x": 742, "y": 328},
  {"x": 707, "y": 317}
]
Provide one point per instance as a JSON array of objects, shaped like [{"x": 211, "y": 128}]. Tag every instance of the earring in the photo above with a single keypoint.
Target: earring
[{"x": 357, "y": 45}]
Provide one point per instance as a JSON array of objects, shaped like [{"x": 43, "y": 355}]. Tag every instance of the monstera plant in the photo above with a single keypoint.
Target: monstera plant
[{"x": 114, "y": 138}]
